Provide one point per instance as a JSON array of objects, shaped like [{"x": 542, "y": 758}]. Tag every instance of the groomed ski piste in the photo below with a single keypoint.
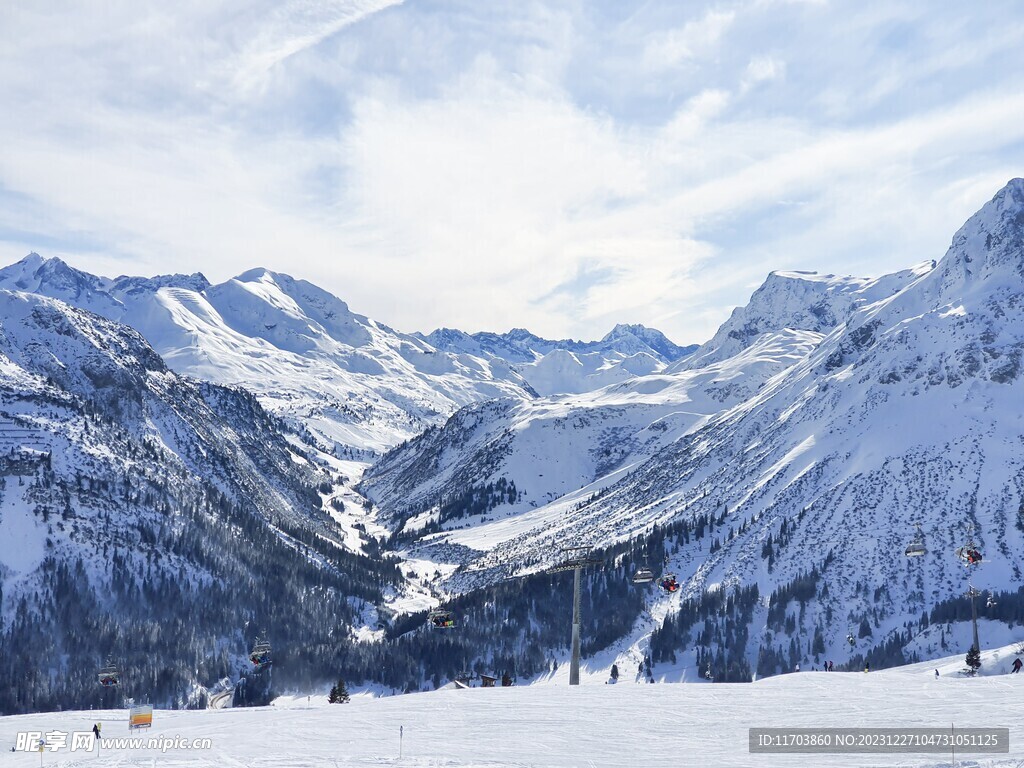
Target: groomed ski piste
[{"x": 548, "y": 724}]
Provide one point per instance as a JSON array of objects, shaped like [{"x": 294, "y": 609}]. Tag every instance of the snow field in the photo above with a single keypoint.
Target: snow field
[{"x": 548, "y": 725}]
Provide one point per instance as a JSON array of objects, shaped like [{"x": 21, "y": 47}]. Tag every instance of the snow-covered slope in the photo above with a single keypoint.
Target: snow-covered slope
[
  {"x": 908, "y": 411},
  {"x": 149, "y": 515},
  {"x": 594, "y": 725},
  {"x": 805, "y": 300},
  {"x": 568, "y": 446},
  {"x": 358, "y": 385}
]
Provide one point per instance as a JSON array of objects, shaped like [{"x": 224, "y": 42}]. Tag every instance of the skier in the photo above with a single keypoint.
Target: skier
[
  {"x": 96, "y": 730},
  {"x": 1017, "y": 664},
  {"x": 936, "y": 674},
  {"x": 867, "y": 667}
]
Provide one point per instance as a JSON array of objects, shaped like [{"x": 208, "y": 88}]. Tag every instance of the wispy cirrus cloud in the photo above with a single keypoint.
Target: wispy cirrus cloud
[{"x": 292, "y": 27}]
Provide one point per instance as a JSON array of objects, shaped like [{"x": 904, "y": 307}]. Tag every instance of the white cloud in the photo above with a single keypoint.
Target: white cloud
[
  {"x": 696, "y": 38},
  {"x": 762, "y": 69}
]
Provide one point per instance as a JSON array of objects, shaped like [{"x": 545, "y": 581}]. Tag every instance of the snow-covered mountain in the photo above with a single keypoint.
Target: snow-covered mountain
[
  {"x": 566, "y": 447},
  {"x": 359, "y": 386},
  {"x": 568, "y": 366},
  {"x": 810, "y": 457},
  {"x": 521, "y": 346},
  {"x": 152, "y": 516},
  {"x": 803, "y": 300}
]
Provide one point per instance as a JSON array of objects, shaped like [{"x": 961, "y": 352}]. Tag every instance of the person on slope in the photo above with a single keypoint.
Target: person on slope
[{"x": 1017, "y": 664}]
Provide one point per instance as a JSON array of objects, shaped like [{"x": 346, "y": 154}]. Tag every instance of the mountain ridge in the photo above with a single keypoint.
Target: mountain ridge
[{"x": 358, "y": 385}]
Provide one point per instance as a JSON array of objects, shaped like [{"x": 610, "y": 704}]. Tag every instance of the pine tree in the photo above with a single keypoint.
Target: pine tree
[
  {"x": 973, "y": 660},
  {"x": 338, "y": 694}
]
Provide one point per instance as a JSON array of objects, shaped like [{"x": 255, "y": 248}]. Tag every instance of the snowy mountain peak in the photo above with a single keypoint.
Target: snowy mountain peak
[
  {"x": 797, "y": 300},
  {"x": 55, "y": 278},
  {"x": 646, "y": 339},
  {"x": 990, "y": 244},
  {"x": 35, "y": 270},
  {"x": 141, "y": 285}
]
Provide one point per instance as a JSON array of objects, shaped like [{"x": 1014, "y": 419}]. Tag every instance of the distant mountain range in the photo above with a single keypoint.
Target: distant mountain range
[{"x": 359, "y": 386}]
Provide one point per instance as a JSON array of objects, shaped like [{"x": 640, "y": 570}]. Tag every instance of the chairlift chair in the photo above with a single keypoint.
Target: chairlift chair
[
  {"x": 668, "y": 583},
  {"x": 107, "y": 674},
  {"x": 441, "y": 619},
  {"x": 260, "y": 654},
  {"x": 916, "y": 548},
  {"x": 969, "y": 554},
  {"x": 643, "y": 576}
]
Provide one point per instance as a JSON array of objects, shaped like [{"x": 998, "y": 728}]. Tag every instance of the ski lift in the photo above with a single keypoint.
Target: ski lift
[
  {"x": 108, "y": 675},
  {"x": 441, "y": 619},
  {"x": 916, "y": 548},
  {"x": 991, "y": 602},
  {"x": 851, "y": 639},
  {"x": 668, "y": 583},
  {"x": 969, "y": 555},
  {"x": 643, "y": 575},
  {"x": 260, "y": 654}
]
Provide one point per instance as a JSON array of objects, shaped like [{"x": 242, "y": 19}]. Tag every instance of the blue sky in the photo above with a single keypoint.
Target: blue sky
[{"x": 556, "y": 166}]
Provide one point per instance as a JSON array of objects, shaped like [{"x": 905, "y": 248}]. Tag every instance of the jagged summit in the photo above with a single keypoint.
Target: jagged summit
[
  {"x": 649, "y": 338},
  {"x": 521, "y": 345},
  {"x": 54, "y": 277},
  {"x": 567, "y": 366},
  {"x": 801, "y": 301},
  {"x": 989, "y": 246}
]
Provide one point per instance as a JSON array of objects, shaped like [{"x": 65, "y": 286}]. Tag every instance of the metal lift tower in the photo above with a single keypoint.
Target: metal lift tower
[{"x": 577, "y": 560}]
